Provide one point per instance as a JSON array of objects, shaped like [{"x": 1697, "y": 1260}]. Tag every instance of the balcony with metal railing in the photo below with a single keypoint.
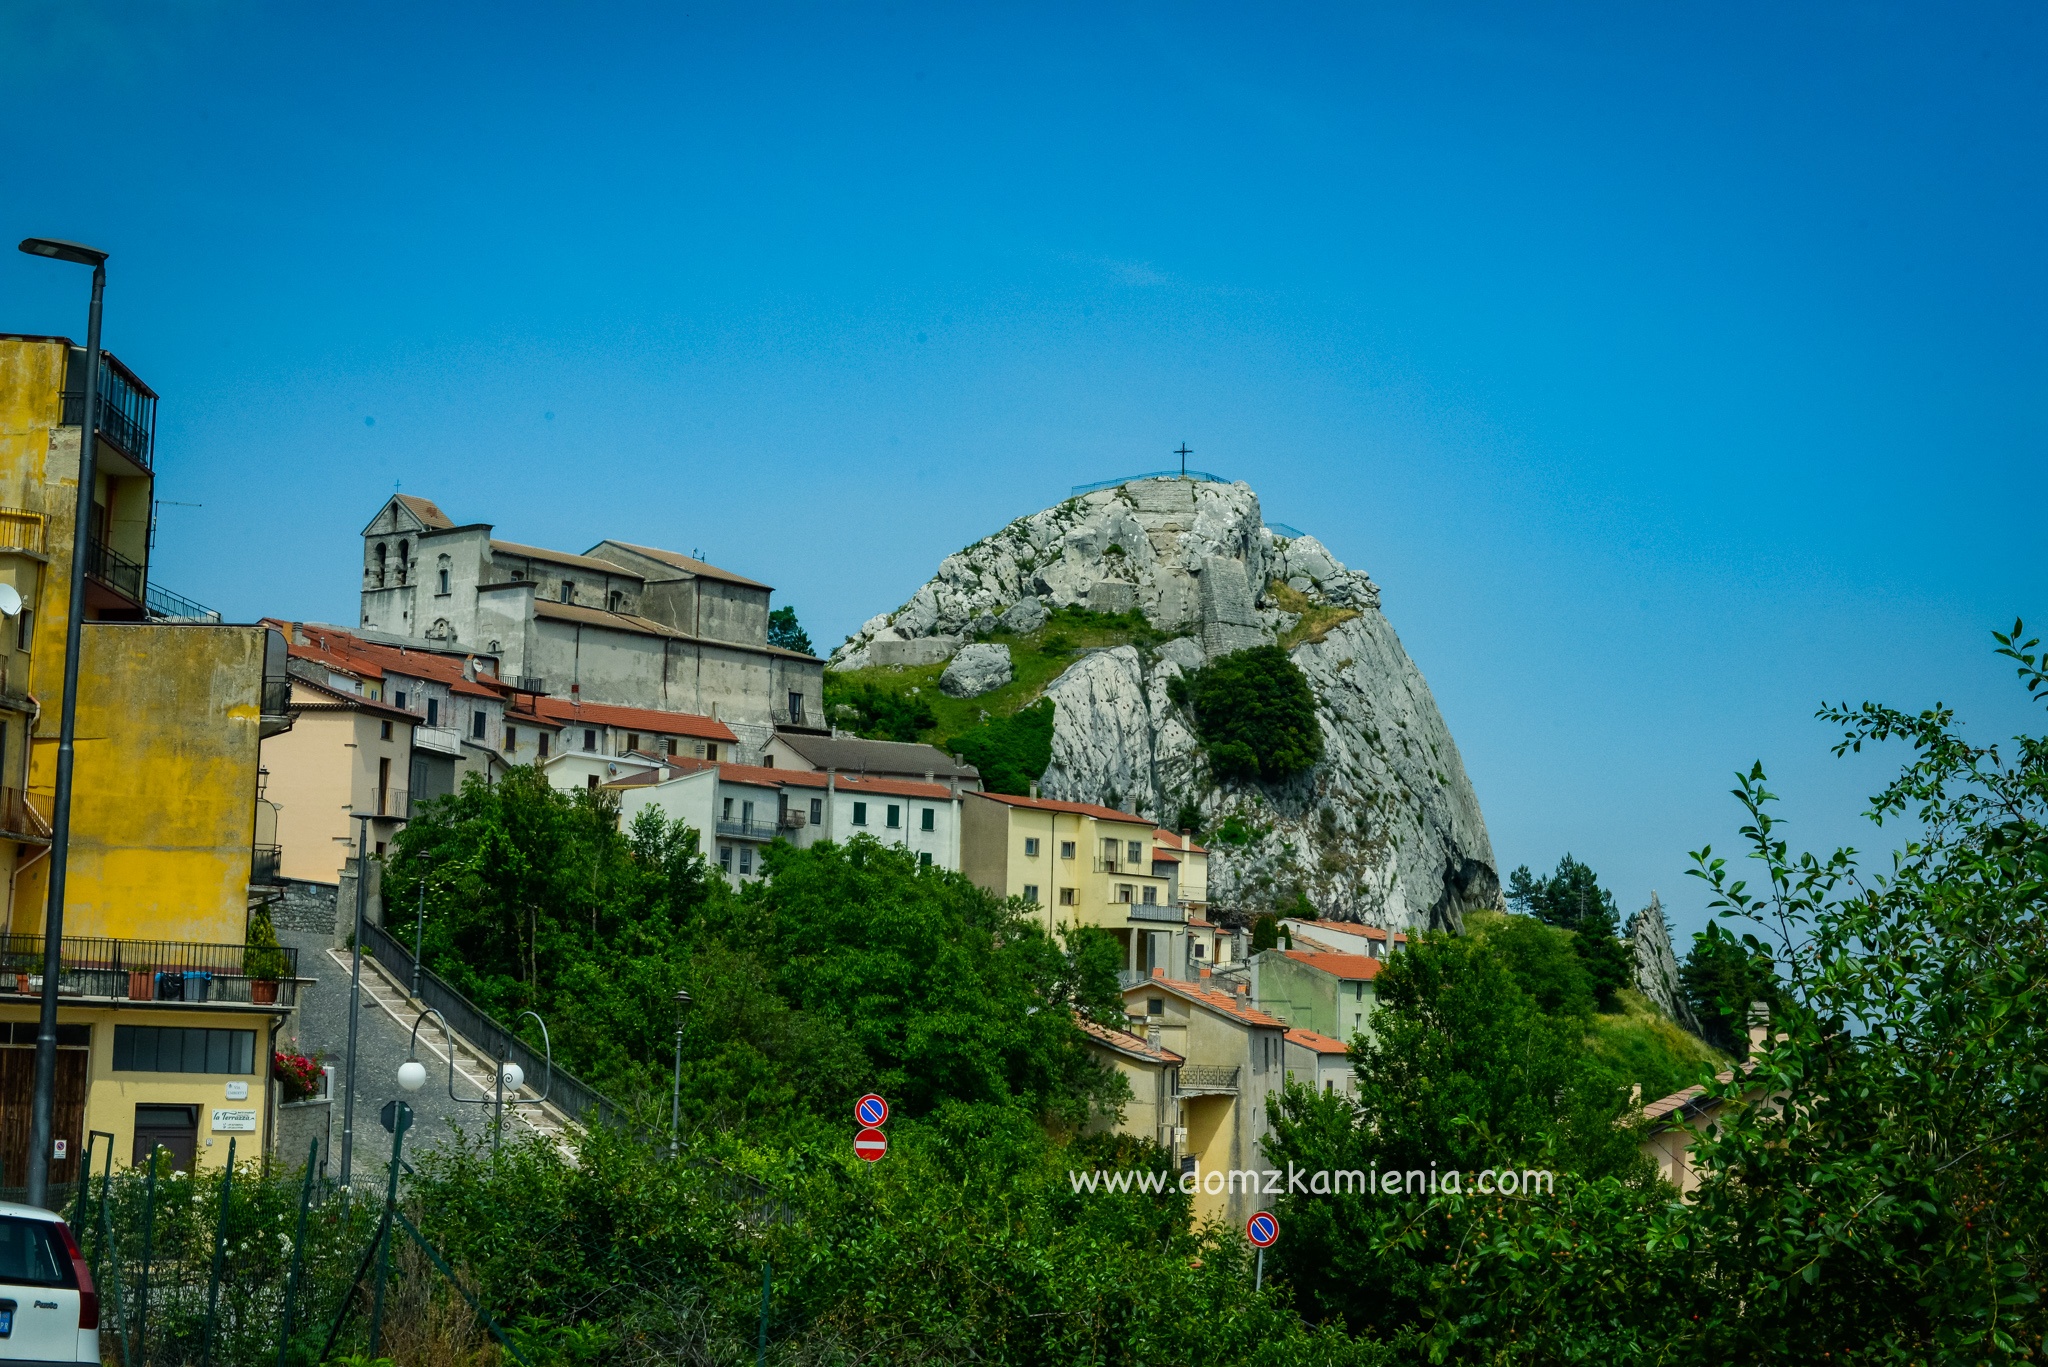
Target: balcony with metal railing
[
  {"x": 748, "y": 830},
  {"x": 165, "y": 606},
  {"x": 392, "y": 802},
  {"x": 127, "y": 415},
  {"x": 1150, "y": 911},
  {"x": 94, "y": 968},
  {"x": 115, "y": 570},
  {"x": 1207, "y": 1079},
  {"x": 22, "y": 530},
  {"x": 20, "y": 821},
  {"x": 266, "y": 863}
]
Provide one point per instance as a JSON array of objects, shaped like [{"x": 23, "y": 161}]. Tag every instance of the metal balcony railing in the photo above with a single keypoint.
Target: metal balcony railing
[
  {"x": 165, "y": 606},
  {"x": 277, "y": 697},
  {"x": 748, "y": 830},
  {"x": 22, "y": 530},
  {"x": 145, "y": 970},
  {"x": 19, "y": 820},
  {"x": 1149, "y": 911},
  {"x": 127, "y": 415},
  {"x": 1213, "y": 1079},
  {"x": 115, "y": 570},
  {"x": 265, "y": 863},
  {"x": 396, "y": 802}
]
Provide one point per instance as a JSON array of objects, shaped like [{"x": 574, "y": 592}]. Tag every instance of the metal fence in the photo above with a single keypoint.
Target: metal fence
[
  {"x": 578, "y": 1100},
  {"x": 143, "y": 970}
]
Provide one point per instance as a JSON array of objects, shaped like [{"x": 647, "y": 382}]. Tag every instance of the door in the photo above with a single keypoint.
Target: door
[
  {"x": 171, "y": 1127},
  {"x": 38, "y": 1293},
  {"x": 17, "y": 1090}
]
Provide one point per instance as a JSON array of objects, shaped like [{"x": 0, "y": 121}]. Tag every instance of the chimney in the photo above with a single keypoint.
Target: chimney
[
  {"x": 1034, "y": 788},
  {"x": 1152, "y": 1038},
  {"x": 1759, "y": 1026}
]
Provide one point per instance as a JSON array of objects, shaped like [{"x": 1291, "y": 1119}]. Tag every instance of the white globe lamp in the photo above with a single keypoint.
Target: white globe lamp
[
  {"x": 515, "y": 1077},
  {"x": 412, "y": 1075}
]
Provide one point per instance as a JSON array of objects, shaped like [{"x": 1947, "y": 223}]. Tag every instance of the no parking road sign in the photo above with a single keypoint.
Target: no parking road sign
[
  {"x": 870, "y": 1110},
  {"x": 1262, "y": 1229},
  {"x": 870, "y": 1144}
]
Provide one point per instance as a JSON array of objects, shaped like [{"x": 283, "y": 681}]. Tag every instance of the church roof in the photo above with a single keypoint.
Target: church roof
[
  {"x": 583, "y": 562},
  {"x": 679, "y": 561},
  {"x": 429, "y": 514}
]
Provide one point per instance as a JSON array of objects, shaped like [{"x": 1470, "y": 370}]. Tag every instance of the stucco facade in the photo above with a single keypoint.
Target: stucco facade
[{"x": 623, "y": 624}]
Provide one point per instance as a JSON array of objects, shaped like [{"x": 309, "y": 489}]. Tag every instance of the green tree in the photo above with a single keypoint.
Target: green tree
[
  {"x": 1722, "y": 979},
  {"x": 1546, "y": 964},
  {"x": 1573, "y": 899},
  {"x": 1011, "y": 752},
  {"x": 784, "y": 632},
  {"x": 1255, "y": 714},
  {"x": 876, "y": 713}
]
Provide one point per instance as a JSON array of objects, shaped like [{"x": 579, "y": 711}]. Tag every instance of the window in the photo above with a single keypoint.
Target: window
[
  {"x": 433, "y": 711},
  {"x": 711, "y": 751},
  {"x": 1031, "y": 893},
  {"x": 632, "y": 741},
  {"x": 930, "y": 822},
  {"x": 1151, "y": 896},
  {"x": 817, "y": 811},
  {"x": 725, "y": 858},
  {"x": 30, "y": 1256},
  {"x": 476, "y": 724},
  {"x": 796, "y": 709},
  {"x": 1155, "y": 1006},
  {"x": 387, "y": 731},
  {"x": 383, "y": 554},
  {"x": 1123, "y": 892},
  {"x": 1137, "y": 850},
  {"x": 725, "y": 812},
  {"x": 404, "y": 555},
  {"x": 767, "y": 761},
  {"x": 568, "y": 590},
  {"x": 398, "y": 699},
  {"x": 592, "y": 783},
  {"x": 540, "y": 745},
  {"x": 1030, "y": 846},
  {"x": 617, "y": 601},
  {"x": 924, "y": 860},
  {"x": 860, "y": 813},
  {"x": 1198, "y": 952},
  {"x": 1069, "y": 897},
  {"x": 747, "y": 813},
  {"x": 183, "y": 1049},
  {"x": 589, "y": 739},
  {"x": 671, "y": 745},
  {"x": 27, "y": 633},
  {"x": 746, "y": 860},
  {"x": 380, "y": 849},
  {"x": 1066, "y": 849},
  {"x": 895, "y": 816},
  {"x": 511, "y": 739},
  {"x": 442, "y": 586}
]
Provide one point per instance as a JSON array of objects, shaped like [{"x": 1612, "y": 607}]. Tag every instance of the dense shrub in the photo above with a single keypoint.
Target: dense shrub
[
  {"x": 877, "y": 713},
  {"x": 1255, "y": 714},
  {"x": 1012, "y": 752},
  {"x": 1572, "y": 898}
]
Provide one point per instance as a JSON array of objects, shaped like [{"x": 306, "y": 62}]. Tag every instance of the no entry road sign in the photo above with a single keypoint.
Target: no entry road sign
[
  {"x": 1262, "y": 1229},
  {"x": 871, "y": 1144},
  {"x": 871, "y": 1110}
]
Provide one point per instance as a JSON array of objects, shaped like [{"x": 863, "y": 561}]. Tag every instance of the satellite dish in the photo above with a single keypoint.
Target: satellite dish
[{"x": 10, "y": 601}]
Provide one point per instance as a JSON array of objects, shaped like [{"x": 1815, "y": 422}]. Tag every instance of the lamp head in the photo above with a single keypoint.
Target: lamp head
[
  {"x": 515, "y": 1077},
  {"x": 58, "y": 250},
  {"x": 412, "y": 1075}
]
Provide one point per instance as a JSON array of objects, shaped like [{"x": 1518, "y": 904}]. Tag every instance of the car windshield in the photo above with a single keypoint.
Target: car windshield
[{"x": 30, "y": 1254}]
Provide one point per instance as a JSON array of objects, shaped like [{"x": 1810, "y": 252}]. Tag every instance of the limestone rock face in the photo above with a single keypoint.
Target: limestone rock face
[
  {"x": 1386, "y": 829},
  {"x": 1649, "y": 939},
  {"x": 976, "y": 670}
]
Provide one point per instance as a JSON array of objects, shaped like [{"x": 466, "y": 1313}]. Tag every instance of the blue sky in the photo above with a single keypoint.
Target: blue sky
[{"x": 1671, "y": 368}]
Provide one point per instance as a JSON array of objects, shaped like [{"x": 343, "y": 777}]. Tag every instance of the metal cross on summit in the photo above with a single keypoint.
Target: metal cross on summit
[{"x": 1183, "y": 453}]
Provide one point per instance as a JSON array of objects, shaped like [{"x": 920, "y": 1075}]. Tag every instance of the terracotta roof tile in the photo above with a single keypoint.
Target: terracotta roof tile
[
  {"x": 581, "y": 562},
  {"x": 563, "y": 712},
  {"x": 1225, "y": 1003},
  {"x": 1322, "y": 1044},
  {"x": 1351, "y": 967},
  {"x": 1046, "y": 804},
  {"x": 1353, "y": 928},
  {"x": 688, "y": 563},
  {"x": 1123, "y": 1041}
]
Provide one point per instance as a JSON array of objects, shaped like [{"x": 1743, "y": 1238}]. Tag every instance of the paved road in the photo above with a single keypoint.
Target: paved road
[{"x": 383, "y": 1037}]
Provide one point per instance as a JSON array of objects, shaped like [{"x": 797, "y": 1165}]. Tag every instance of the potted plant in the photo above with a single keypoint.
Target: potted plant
[{"x": 263, "y": 960}]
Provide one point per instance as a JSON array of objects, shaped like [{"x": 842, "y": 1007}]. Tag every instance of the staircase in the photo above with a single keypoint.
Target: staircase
[{"x": 382, "y": 991}]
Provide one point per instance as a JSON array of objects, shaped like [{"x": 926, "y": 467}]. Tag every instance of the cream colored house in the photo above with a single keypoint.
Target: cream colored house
[
  {"x": 1153, "y": 1073},
  {"x": 347, "y": 753},
  {"x": 1233, "y": 1058},
  {"x": 1320, "y": 1063}
]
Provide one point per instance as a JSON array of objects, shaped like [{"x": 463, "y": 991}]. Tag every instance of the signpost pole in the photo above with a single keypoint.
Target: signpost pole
[{"x": 1259, "y": 1282}]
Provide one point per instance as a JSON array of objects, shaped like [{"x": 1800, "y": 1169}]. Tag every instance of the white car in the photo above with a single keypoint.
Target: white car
[{"x": 49, "y": 1312}]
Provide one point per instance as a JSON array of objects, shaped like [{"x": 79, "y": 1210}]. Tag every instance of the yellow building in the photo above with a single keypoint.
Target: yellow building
[
  {"x": 1152, "y": 1072},
  {"x": 166, "y": 1018},
  {"x": 1088, "y": 866}
]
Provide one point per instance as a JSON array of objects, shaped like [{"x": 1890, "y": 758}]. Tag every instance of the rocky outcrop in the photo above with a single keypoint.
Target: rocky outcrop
[
  {"x": 1385, "y": 829},
  {"x": 977, "y": 669},
  {"x": 1649, "y": 940}
]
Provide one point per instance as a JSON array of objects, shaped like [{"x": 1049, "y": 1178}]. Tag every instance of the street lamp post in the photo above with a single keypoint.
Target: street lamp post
[
  {"x": 42, "y": 1108},
  {"x": 412, "y": 1074},
  {"x": 675, "y": 1105},
  {"x": 419, "y": 922}
]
